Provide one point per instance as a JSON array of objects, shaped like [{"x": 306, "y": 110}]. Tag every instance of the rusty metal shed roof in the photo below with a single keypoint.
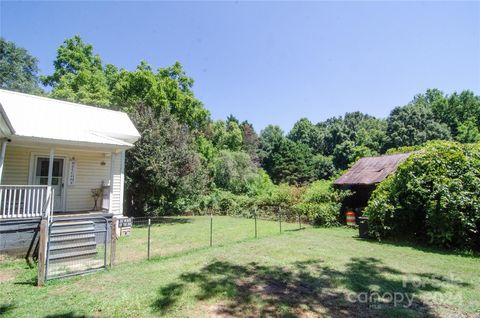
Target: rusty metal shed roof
[{"x": 371, "y": 170}]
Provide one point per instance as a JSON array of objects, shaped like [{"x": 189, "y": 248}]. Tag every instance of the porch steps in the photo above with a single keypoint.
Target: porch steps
[{"x": 72, "y": 243}]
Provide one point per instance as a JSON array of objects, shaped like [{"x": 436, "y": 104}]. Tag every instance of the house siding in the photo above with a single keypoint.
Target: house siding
[
  {"x": 90, "y": 174},
  {"x": 116, "y": 186},
  {"x": 16, "y": 166}
]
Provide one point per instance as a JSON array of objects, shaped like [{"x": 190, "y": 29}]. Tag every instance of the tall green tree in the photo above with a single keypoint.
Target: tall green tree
[
  {"x": 413, "y": 125},
  {"x": 457, "y": 109},
  {"x": 79, "y": 75},
  {"x": 468, "y": 131},
  {"x": 251, "y": 142},
  {"x": 226, "y": 135},
  {"x": 270, "y": 139},
  {"x": 292, "y": 163},
  {"x": 18, "y": 69},
  {"x": 305, "y": 132},
  {"x": 165, "y": 173},
  {"x": 335, "y": 132},
  {"x": 167, "y": 89}
]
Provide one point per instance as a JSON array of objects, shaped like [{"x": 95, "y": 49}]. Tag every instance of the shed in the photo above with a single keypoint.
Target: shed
[{"x": 363, "y": 177}]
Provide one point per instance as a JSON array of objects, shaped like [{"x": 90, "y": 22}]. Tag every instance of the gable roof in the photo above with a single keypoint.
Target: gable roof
[
  {"x": 37, "y": 118},
  {"x": 371, "y": 170}
]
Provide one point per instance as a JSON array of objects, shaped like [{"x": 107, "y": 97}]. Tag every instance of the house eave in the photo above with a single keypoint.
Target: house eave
[{"x": 36, "y": 141}]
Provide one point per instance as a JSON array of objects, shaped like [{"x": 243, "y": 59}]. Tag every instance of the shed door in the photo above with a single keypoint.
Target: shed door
[{"x": 41, "y": 178}]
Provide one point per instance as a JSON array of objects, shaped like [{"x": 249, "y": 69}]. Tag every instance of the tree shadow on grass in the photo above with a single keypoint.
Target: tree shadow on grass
[
  {"x": 304, "y": 288},
  {"x": 70, "y": 314},
  {"x": 6, "y": 308},
  {"x": 420, "y": 246}
]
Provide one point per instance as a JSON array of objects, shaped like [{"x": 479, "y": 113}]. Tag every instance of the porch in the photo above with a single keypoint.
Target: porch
[
  {"x": 35, "y": 201},
  {"x": 53, "y": 181},
  {"x": 38, "y": 181}
]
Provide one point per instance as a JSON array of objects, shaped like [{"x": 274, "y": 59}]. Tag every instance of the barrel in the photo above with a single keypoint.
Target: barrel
[{"x": 350, "y": 218}]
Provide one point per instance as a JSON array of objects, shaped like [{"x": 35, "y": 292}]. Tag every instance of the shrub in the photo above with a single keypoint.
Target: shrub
[
  {"x": 224, "y": 203},
  {"x": 234, "y": 171},
  {"x": 321, "y": 203},
  {"x": 434, "y": 195}
]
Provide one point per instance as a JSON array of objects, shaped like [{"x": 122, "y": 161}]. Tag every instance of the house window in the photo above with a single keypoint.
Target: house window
[{"x": 41, "y": 173}]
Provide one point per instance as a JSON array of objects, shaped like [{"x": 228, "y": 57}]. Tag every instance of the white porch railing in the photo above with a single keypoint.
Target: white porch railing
[{"x": 24, "y": 201}]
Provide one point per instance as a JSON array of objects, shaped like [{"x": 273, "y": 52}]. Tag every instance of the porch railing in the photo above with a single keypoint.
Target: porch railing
[{"x": 25, "y": 201}]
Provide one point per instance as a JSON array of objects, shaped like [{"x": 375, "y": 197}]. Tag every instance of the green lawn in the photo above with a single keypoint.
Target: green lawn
[{"x": 312, "y": 272}]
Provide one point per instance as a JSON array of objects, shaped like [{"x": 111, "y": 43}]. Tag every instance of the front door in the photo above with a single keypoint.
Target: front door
[{"x": 41, "y": 178}]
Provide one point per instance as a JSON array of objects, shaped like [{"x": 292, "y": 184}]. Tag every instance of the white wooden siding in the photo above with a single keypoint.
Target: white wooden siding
[
  {"x": 90, "y": 174},
  {"x": 116, "y": 197},
  {"x": 16, "y": 166}
]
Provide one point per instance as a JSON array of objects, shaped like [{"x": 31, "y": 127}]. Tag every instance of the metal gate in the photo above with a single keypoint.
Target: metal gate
[{"x": 76, "y": 246}]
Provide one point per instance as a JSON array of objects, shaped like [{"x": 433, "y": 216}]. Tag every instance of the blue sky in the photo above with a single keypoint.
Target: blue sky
[{"x": 272, "y": 62}]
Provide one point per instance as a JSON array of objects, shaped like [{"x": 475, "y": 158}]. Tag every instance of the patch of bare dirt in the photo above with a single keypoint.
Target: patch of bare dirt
[{"x": 7, "y": 275}]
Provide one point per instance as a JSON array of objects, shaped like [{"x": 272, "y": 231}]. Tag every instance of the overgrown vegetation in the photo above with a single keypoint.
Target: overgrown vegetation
[
  {"x": 434, "y": 196},
  {"x": 185, "y": 161}
]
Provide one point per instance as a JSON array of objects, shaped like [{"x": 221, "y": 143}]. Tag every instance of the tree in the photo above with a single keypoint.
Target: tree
[
  {"x": 308, "y": 134},
  {"x": 342, "y": 154},
  {"x": 167, "y": 89},
  {"x": 372, "y": 134},
  {"x": 335, "y": 132},
  {"x": 468, "y": 131},
  {"x": 323, "y": 167},
  {"x": 291, "y": 162},
  {"x": 165, "y": 172},
  {"x": 18, "y": 69},
  {"x": 234, "y": 171},
  {"x": 413, "y": 125},
  {"x": 251, "y": 142},
  {"x": 78, "y": 75},
  {"x": 226, "y": 135},
  {"x": 459, "y": 109},
  {"x": 270, "y": 139}
]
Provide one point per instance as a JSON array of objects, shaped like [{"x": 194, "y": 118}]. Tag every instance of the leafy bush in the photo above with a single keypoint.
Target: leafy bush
[
  {"x": 434, "y": 195},
  {"x": 234, "y": 171},
  {"x": 321, "y": 203},
  {"x": 222, "y": 202}
]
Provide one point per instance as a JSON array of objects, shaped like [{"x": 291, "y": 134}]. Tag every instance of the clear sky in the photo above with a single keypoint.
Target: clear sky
[{"x": 272, "y": 62}]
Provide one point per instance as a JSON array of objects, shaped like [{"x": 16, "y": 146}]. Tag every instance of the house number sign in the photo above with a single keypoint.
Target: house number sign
[{"x": 72, "y": 172}]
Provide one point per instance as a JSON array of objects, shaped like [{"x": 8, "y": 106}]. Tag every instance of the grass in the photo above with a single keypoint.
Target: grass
[{"x": 313, "y": 272}]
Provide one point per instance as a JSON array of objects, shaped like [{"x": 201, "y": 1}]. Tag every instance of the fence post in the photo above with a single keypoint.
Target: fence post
[
  {"x": 42, "y": 252},
  {"x": 211, "y": 228},
  {"x": 255, "y": 217},
  {"x": 280, "y": 218},
  {"x": 113, "y": 241},
  {"x": 148, "y": 252},
  {"x": 299, "y": 221}
]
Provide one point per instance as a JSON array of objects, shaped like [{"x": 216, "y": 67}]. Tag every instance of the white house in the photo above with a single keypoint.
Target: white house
[{"x": 55, "y": 154}]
